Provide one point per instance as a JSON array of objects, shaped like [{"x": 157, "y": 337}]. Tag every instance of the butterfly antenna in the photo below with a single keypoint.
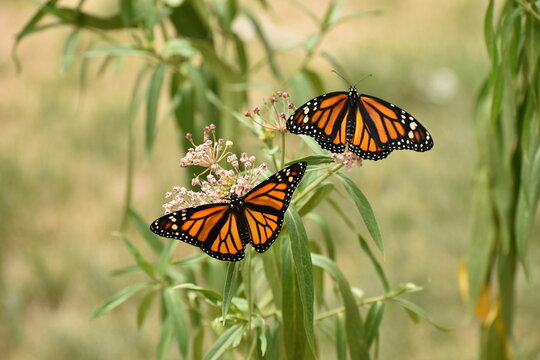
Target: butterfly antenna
[
  {"x": 341, "y": 76},
  {"x": 362, "y": 79}
]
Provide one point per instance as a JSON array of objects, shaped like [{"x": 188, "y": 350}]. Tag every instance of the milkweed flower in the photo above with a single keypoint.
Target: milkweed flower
[
  {"x": 224, "y": 173},
  {"x": 348, "y": 159},
  {"x": 274, "y": 113}
]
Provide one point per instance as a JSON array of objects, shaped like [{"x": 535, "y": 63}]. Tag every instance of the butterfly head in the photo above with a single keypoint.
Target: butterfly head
[
  {"x": 353, "y": 93},
  {"x": 235, "y": 200}
]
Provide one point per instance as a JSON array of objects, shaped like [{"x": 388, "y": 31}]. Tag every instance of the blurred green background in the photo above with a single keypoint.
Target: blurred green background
[{"x": 63, "y": 151}]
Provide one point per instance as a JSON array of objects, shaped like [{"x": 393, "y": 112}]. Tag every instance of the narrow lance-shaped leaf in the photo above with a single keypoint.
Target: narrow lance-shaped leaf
[
  {"x": 175, "y": 309},
  {"x": 325, "y": 230},
  {"x": 164, "y": 338},
  {"x": 141, "y": 262},
  {"x": 154, "y": 91},
  {"x": 363, "y": 206},
  {"x": 230, "y": 288},
  {"x": 378, "y": 268},
  {"x": 353, "y": 322},
  {"x": 154, "y": 243},
  {"x": 144, "y": 306},
  {"x": 304, "y": 271},
  {"x": 224, "y": 342},
  {"x": 293, "y": 323},
  {"x": 373, "y": 321},
  {"x": 69, "y": 50},
  {"x": 266, "y": 44},
  {"x": 120, "y": 297},
  {"x": 418, "y": 311}
]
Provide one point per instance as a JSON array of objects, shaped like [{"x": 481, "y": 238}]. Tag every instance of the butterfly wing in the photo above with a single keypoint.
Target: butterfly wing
[
  {"x": 213, "y": 228},
  {"x": 382, "y": 127},
  {"x": 266, "y": 204},
  {"x": 325, "y": 119}
]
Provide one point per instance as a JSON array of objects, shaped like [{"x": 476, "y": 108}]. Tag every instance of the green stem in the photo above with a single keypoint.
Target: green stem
[
  {"x": 319, "y": 180},
  {"x": 129, "y": 181},
  {"x": 282, "y": 149},
  {"x": 341, "y": 309}
]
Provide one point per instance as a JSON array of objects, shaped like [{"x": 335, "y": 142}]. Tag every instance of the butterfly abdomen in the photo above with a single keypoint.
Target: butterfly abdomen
[
  {"x": 350, "y": 126},
  {"x": 238, "y": 209}
]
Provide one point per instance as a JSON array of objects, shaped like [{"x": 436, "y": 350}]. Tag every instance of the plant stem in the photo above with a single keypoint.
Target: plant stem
[
  {"x": 282, "y": 149},
  {"x": 339, "y": 310},
  {"x": 319, "y": 180}
]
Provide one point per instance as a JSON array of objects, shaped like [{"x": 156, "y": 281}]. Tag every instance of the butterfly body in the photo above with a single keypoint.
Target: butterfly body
[
  {"x": 367, "y": 126},
  {"x": 222, "y": 230}
]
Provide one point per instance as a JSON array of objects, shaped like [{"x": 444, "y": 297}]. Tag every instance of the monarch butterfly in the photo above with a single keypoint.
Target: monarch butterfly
[
  {"x": 222, "y": 230},
  {"x": 368, "y": 126}
]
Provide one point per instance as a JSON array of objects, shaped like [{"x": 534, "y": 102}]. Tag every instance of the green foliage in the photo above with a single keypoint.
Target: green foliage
[
  {"x": 265, "y": 306},
  {"x": 508, "y": 177}
]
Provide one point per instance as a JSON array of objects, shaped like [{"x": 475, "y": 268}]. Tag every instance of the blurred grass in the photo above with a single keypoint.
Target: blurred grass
[{"x": 62, "y": 166}]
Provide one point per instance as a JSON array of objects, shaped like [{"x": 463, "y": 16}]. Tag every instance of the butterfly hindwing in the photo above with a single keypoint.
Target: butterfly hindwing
[
  {"x": 392, "y": 127},
  {"x": 266, "y": 204},
  {"x": 212, "y": 227}
]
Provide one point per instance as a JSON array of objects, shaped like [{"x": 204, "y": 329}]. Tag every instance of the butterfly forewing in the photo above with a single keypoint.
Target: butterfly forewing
[
  {"x": 322, "y": 119},
  {"x": 266, "y": 204},
  {"x": 211, "y": 227}
]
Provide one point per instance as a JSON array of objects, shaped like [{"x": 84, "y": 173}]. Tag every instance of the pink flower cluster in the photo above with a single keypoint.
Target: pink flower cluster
[
  {"x": 217, "y": 181},
  {"x": 348, "y": 159},
  {"x": 275, "y": 112}
]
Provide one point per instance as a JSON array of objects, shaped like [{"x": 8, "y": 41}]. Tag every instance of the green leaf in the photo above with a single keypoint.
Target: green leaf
[
  {"x": 120, "y": 50},
  {"x": 489, "y": 32},
  {"x": 363, "y": 206},
  {"x": 315, "y": 81},
  {"x": 175, "y": 310},
  {"x": 69, "y": 51},
  {"x": 313, "y": 199},
  {"x": 341, "y": 339},
  {"x": 29, "y": 28},
  {"x": 325, "y": 230},
  {"x": 154, "y": 91},
  {"x": 378, "y": 268},
  {"x": 127, "y": 11},
  {"x": 144, "y": 306},
  {"x": 120, "y": 297},
  {"x": 292, "y": 313},
  {"x": 373, "y": 321},
  {"x": 165, "y": 338},
  {"x": 313, "y": 146},
  {"x": 353, "y": 322},
  {"x": 190, "y": 22},
  {"x": 241, "y": 55},
  {"x": 272, "y": 272},
  {"x": 264, "y": 41},
  {"x": 143, "y": 264},
  {"x": 230, "y": 288},
  {"x": 165, "y": 256},
  {"x": 416, "y": 311},
  {"x": 304, "y": 272},
  {"x": 210, "y": 295},
  {"x": 151, "y": 239},
  {"x": 224, "y": 342},
  {"x": 313, "y": 160},
  {"x": 482, "y": 238},
  {"x": 180, "y": 47},
  {"x": 332, "y": 14},
  {"x": 301, "y": 88}
]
